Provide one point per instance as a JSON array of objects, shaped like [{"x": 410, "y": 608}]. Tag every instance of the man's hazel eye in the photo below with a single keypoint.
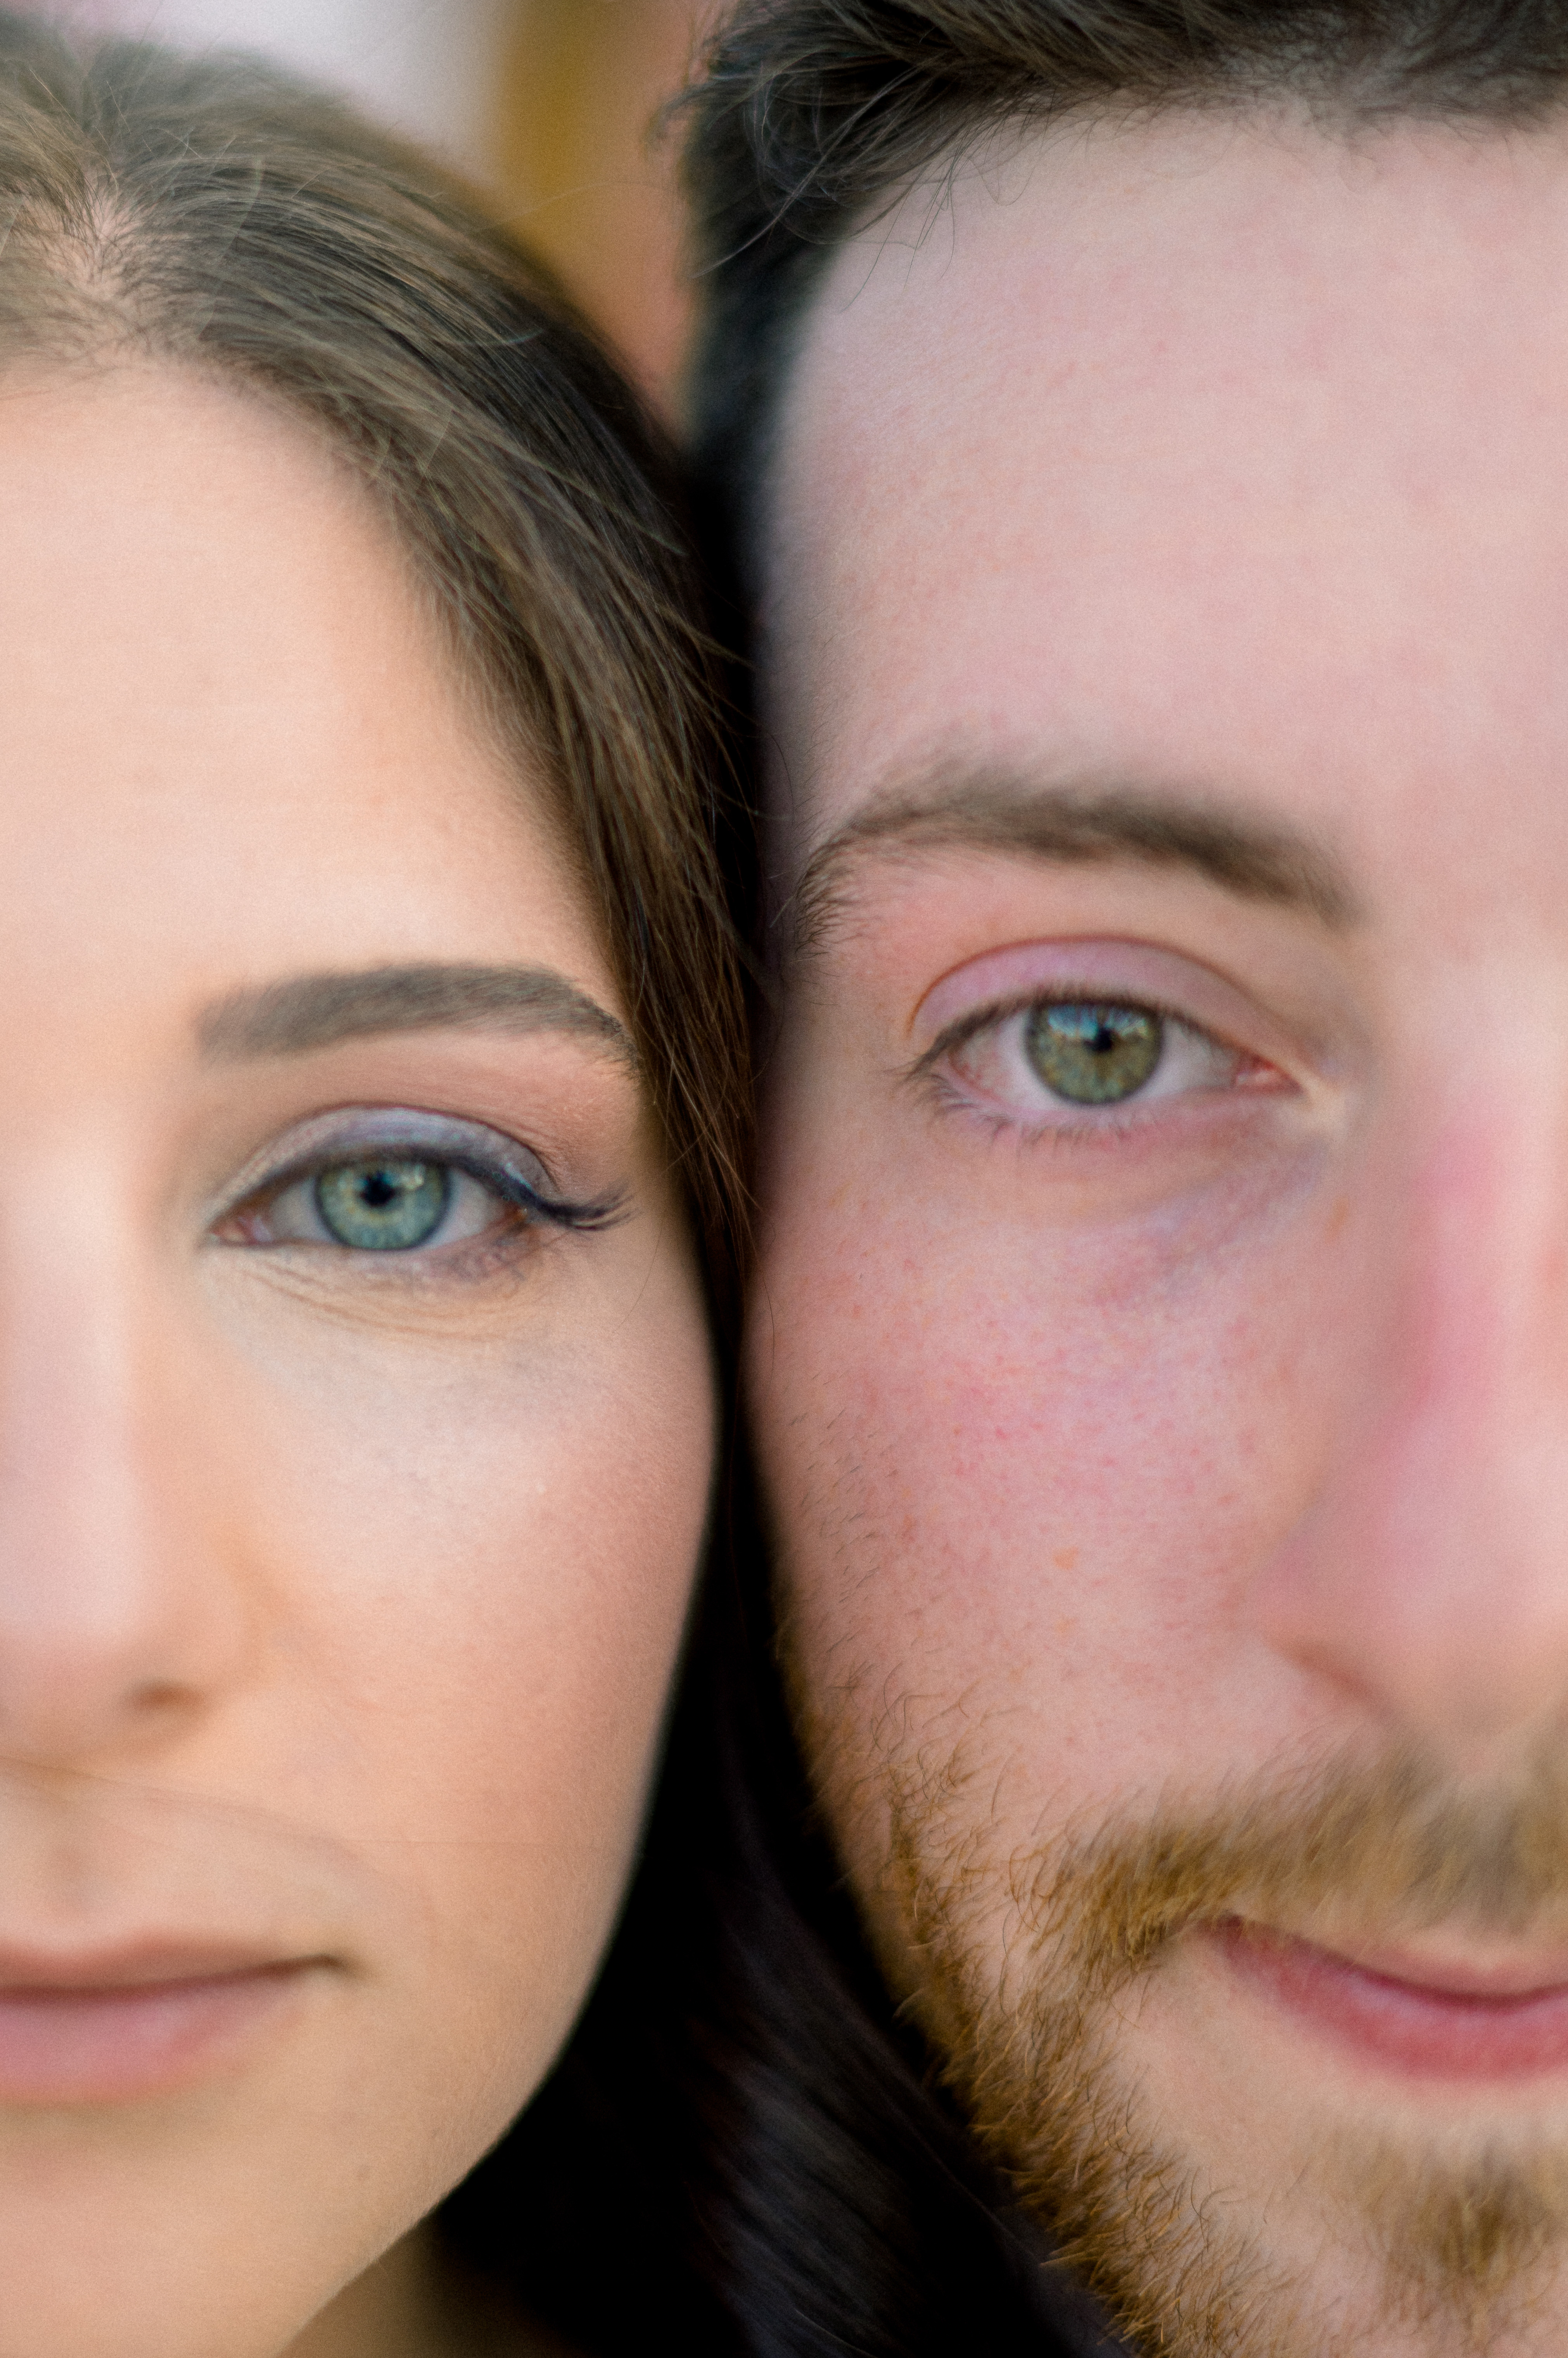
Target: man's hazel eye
[
  {"x": 1093, "y": 1053},
  {"x": 383, "y": 1204}
]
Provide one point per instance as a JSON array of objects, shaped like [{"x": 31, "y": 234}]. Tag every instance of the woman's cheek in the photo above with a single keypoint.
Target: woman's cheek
[{"x": 479, "y": 1572}]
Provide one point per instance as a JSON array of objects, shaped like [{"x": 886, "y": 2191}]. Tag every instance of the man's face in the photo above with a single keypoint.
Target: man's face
[{"x": 1160, "y": 1352}]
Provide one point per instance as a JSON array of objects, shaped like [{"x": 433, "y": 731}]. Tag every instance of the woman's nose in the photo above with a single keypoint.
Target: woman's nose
[{"x": 121, "y": 1620}]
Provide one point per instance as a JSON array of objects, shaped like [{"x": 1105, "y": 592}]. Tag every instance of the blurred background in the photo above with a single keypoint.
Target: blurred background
[{"x": 550, "y": 105}]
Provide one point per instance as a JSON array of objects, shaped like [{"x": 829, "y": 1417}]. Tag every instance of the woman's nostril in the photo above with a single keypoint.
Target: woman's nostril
[{"x": 162, "y": 1699}]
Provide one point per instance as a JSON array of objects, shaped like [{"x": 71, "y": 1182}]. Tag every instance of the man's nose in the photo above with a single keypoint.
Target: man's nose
[
  {"x": 1430, "y": 1573},
  {"x": 120, "y": 1620}
]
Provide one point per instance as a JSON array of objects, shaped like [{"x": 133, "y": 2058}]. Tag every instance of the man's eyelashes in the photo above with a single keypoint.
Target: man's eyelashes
[{"x": 1078, "y": 1058}]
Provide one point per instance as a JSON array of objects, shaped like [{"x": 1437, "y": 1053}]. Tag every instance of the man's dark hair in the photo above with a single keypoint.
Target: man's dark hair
[{"x": 814, "y": 116}]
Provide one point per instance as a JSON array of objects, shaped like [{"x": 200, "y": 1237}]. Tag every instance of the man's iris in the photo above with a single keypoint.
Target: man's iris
[{"x": 1090, "y": 1053}]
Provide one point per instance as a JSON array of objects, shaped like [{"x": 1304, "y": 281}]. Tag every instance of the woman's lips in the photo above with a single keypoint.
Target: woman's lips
[
  {"x": 1435, "y": 2021},
  {"x": 89, "y": 2031}
]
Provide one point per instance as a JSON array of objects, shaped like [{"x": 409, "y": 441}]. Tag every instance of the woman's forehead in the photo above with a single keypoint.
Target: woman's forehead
[{"x": 231, "y": 717}]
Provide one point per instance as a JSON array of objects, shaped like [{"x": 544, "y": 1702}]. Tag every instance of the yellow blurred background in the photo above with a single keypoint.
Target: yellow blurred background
[
  {"x": 550, "y": 104},
  {"x": 580, "y": 85}
]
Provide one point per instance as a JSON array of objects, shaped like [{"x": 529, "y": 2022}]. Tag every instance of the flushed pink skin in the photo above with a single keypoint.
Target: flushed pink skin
[
  {"x": 1226, "y": 460},
  {"x": 337, "y": 1610}
]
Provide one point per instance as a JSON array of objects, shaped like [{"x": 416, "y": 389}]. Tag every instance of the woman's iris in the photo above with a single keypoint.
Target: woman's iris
[
  {"x": 384, "y": 1203},
  {"x": 1093, "y": 1054}
]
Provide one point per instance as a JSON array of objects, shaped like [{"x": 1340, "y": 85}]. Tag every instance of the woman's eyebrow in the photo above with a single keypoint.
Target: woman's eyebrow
[{"x": 306, "y": 1012}]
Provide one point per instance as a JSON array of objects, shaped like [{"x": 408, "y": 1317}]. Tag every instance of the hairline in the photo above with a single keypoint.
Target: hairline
[
  {"x": 1331, "y": 113},
  {"x": 1336, "y": 109}
]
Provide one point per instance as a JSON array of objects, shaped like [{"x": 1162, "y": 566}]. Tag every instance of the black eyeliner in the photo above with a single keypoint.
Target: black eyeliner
[
  {"x": 503, "y": 1183},
  {"x": 494, "y": 1175}
]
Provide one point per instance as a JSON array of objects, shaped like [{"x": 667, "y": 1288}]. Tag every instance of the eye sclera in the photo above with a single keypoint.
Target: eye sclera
[
  {"x": 1219, "y": 1043},
  {"x": 992, "y": 1065},
  {"x": 513, "y": 1173}
]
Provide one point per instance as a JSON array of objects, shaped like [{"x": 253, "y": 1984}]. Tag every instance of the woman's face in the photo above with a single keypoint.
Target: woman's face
[{"x": 356, "y": 1413}]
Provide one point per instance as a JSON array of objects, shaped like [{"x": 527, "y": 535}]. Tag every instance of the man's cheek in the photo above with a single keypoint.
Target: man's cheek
[{"x": 1013, "y": 1475}]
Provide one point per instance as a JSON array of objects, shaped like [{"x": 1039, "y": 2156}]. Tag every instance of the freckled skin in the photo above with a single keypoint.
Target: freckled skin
[
  {"x": 1236, "y": 472},
  {"x": 337, "y": 1601}
]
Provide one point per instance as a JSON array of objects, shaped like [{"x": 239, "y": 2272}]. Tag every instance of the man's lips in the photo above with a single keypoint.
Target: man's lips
[
  {"x": 107, "y": 2028},
  {"x": 1436, "y": 2020}
]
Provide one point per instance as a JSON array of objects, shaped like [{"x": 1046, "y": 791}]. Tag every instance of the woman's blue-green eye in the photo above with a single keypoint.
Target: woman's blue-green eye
[
  {"x": 1093, "y": 1054},
  {"x": 384, "y": 1203}
]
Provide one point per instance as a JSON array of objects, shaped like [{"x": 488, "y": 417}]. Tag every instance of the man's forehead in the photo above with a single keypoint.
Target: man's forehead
[{"x": 1073, "y": 455}]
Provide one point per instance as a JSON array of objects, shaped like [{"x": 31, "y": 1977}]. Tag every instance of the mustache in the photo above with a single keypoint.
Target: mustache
[
  {"x": 1030, "y": 2040},
  {"x": 1398, "y": 1842}
]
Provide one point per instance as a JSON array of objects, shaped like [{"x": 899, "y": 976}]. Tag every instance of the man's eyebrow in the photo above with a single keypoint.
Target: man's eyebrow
[
  {"x": 1256, "y": 858},
  {"x": 306, "y": 1011}
]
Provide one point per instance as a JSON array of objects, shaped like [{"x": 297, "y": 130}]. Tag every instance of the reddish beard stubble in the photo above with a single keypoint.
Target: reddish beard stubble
[{"x": 1460, "y": 2245}]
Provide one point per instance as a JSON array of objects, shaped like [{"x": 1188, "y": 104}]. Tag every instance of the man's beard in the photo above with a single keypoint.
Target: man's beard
[{"x": 1459, "y": 2246}]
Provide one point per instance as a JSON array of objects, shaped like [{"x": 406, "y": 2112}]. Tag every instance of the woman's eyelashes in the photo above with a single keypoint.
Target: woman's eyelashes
[
  {"x": 394, "y": 1189},
  {"x": 1075, "y": 1061}
]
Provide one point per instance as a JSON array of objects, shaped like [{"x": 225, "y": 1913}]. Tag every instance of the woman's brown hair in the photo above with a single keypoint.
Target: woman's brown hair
[{"x": 217, "y": 215}]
